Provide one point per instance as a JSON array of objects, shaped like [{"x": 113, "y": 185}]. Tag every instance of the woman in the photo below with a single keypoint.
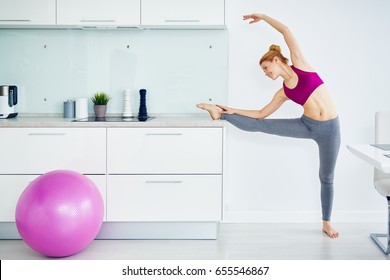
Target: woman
[{"x": 302, "y": 85}]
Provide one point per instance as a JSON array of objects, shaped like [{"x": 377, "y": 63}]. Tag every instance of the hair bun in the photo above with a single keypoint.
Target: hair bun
[
  {"x": 274, "y": 51},
  {"x": 275, "y": 48}
]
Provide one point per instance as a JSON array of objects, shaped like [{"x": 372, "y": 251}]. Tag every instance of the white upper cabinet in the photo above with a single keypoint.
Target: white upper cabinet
[
  {"x": 98, "y": 12},
  {"x": 27, "y": 12},
  {"x": 183, "y": 13},
  {"x": 158, "y": 14}
]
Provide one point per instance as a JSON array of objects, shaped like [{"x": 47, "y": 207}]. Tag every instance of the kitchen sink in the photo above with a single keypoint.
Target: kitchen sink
[{"x": 112, "y": 119}]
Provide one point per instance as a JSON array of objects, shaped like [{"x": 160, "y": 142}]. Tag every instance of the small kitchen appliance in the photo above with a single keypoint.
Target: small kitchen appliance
[{"x": 8, "y": 100}]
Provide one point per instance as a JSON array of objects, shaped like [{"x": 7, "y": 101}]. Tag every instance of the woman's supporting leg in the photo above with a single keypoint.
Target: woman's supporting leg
[
  {"x": 329, "y": 145},
  {"x": 327, "y": 136},
  {"x": 328, "y": 157}
]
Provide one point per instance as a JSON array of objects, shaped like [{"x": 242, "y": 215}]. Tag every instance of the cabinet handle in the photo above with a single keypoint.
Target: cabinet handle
[
  {"x": 46, "y": 134},
  {"x": 182, "y": 20},
  {"x": 97, "y": 20},
  {"x": 163, "y": 134},
  {"x": 15, "y": 20},
  {"x": 163, "y": 182}
]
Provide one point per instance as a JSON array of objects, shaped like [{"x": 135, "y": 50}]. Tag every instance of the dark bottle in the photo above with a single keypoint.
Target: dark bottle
[{"x": 143, "y": 113}]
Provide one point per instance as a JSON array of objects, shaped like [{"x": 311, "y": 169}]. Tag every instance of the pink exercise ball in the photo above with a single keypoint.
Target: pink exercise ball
[{"x": 59, "y": 213}]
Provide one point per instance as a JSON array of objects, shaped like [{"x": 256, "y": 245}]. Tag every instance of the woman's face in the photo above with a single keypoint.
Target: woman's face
[{"x": 270, "y": 68}]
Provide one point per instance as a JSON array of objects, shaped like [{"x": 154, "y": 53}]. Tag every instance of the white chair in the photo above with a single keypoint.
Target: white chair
[{"x": 382, "y": 180}]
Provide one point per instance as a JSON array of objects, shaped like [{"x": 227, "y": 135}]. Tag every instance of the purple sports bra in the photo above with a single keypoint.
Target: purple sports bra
[{"x": 307, "y": 83}]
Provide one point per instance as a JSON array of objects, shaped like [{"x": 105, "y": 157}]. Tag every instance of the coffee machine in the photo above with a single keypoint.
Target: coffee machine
[{"x": 8, "y": 100}]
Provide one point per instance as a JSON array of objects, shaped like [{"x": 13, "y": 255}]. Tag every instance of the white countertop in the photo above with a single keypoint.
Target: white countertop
[
  {"x": 372, "y": 155},
  {"x": 177, "y": 120}
]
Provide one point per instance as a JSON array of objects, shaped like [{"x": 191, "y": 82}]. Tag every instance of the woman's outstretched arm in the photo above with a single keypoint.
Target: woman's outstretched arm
[
  {"x": 277, "y": 101},
  {"x": 295, "y": 51}
]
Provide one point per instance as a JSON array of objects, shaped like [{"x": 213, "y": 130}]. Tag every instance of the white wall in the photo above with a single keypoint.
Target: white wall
[{"x": 274, "y": 179}]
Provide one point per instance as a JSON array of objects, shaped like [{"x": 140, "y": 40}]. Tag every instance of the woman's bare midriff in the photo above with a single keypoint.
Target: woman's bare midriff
[{"x": 320, "y": 106}]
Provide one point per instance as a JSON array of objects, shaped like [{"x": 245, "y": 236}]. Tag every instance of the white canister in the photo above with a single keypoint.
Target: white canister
[{"x": 81, "y": 108}]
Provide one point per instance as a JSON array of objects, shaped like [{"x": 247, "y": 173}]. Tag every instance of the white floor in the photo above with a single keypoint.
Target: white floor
[{"x": 236, "y": 241}]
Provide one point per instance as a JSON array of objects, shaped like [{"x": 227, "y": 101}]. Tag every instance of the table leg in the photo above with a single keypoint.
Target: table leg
[{"x": 384, "y": 247}]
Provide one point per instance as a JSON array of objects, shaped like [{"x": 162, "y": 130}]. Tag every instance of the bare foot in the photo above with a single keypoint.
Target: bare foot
[
  {"x": 328, "y": 230},
  {"x": 214, "y": 111}
]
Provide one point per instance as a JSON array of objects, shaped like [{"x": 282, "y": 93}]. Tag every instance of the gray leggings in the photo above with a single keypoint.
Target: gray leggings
[{"x": 325, "y": 133}]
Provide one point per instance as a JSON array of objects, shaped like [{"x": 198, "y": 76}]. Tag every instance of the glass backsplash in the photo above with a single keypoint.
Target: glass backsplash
[{"x": 178, "y": 68}]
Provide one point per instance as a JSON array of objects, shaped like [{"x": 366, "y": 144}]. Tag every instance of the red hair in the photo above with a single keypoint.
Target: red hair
[{"x": 274, "y": 50}]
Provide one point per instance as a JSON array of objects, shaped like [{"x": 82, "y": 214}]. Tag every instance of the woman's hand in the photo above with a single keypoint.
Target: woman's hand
[
  {"x": 226, "y": 109},
  {"x": 255, "y": 17}
]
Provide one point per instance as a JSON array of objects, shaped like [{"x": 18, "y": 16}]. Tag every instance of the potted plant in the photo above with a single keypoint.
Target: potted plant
[{"x": 100, "y": 100}]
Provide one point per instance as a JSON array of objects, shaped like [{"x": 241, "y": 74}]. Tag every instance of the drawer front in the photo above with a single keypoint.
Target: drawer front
[
  {"x": 164, "y": 150},
  {"x": 12, "y": 186},
  {"x": 164, "y": 198},
  {"x": 38, "y": 150}
]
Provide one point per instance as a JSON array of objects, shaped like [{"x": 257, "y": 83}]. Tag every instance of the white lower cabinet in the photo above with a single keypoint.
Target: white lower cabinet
[
  {"x": 12, "y": 186},
  {"x": 164, "y": 150},
  {"x": 29, "y": 152},
  {"x": 164, "y": 198},
  {"x": 161, "y": 182},
  {"x": 39, "y": 150},
  {"x": 164, "y": 174}
]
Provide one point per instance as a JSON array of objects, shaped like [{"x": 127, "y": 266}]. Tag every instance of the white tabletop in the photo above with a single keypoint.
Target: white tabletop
[{"x": 372, "y": 155}]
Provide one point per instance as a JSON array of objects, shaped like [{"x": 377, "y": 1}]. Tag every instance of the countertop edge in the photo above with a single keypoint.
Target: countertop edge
[{"x": 159, "y": 121}]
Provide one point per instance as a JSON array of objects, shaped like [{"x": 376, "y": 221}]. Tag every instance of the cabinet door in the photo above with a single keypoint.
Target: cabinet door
[
  {"x": 26, "y": 12},
  {"x": 164, "y": 198},
  {"x": 98, "y": 12},
  {"x": 38, "y": 150},
  {"x": 167, "y": 13},
  {"x": 164, "y": 150},
  {"x": 12, "y": 186}
]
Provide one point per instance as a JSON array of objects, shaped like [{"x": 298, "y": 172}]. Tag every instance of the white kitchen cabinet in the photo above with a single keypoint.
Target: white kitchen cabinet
[
  {"x": 161, "y": 198},
  {"x": 12, "y": 186},
  {"x": 98, "y": 12},
  {"x": 164, "y": 150},
  {"x": 39, "y": 150},
  {"x": 156, "y": 182},
  {"x": 164, "y": 174},
  {"x": 183, "y": 13},
  {"x": 27, "y": 12}
]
